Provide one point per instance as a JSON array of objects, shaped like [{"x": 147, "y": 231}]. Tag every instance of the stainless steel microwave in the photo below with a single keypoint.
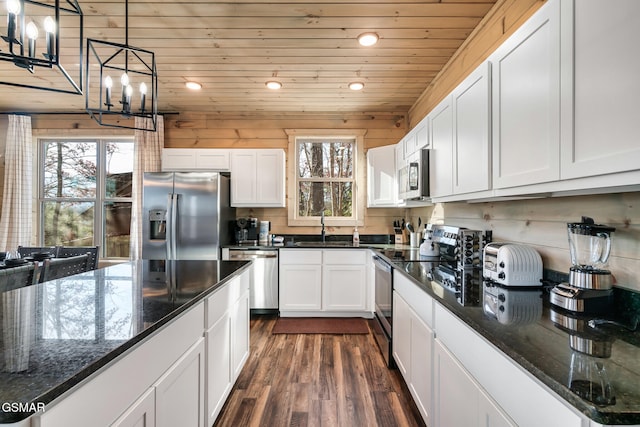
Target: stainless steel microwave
[{"x": 413, "y": 177}]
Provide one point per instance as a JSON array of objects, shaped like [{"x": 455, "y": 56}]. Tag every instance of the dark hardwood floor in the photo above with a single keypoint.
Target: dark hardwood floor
[{"x": 316, "y": 380}]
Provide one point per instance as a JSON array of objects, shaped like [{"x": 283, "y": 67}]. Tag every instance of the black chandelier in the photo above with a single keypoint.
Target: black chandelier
[
  {"x": 122, "y": 84},
  {"x": 26, "y": 20}
]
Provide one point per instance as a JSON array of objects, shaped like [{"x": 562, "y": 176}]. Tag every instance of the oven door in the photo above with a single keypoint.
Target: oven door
[{"x": 383, "y": 293}]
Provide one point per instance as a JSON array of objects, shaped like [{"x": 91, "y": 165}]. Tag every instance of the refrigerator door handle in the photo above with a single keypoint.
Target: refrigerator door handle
[{"x": 174, "y": 226}]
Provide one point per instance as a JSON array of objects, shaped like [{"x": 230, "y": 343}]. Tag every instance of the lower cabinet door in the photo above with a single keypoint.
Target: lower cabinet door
[
  {"x": 491, "y": 415},
  {"x": 180, "y": 391},
  {"x": 344, "y": 288},
  {"x": 455, "y": 393},
  {"x": 421, "y": 366},
  {"x": 219, "y": 383},
  {"x": 300, "y": 287},
  {"x": 141, "y": 414},
  {"x": 239, "y": 335}
]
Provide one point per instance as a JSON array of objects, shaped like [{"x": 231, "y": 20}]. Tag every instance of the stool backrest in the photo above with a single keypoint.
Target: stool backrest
[
  {"x": 56, "y": 268},
  {"x": 18, "y": 277}
]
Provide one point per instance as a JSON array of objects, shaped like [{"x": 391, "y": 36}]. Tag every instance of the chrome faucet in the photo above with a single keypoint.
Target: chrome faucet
[{"x": 322, "y": 222}]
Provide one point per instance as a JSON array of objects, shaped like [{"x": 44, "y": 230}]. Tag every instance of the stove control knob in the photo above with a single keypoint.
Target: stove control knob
[
  {"x": 501, "y": 265},
  {"x": 501, "y": 308},
  {"x": 502, "y": 298},
  {"x": 501, "y": 275}
]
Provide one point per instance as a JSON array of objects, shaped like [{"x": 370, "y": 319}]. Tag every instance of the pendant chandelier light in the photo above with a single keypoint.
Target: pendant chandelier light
[
  {"x": 122, "y": 83},
  {"x": 21, "y": 44}
]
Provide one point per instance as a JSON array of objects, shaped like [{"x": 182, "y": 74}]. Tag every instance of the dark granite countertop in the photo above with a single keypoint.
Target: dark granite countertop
[
  {"x": 55, "y": 335},
  {"x": 541, "y": 347}
]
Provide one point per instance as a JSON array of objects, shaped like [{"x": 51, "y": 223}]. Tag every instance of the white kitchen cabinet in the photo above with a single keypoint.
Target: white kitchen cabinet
[
  {"x": 413, "y": 342},
  {"x": 344, "y": 288},
  {"x": 441, "y": 144},
  {"x": 219, "y": 382},
  {"x": 300, "y": 280},
  {"x": 227, "y": 341},
  {"x": 324, "y": 282},
  {"x": 141, "y": 414},
  {"x": 258, "y": 178},
  {"x": 513, "y": 390},
  {"x": 239, "y": 333},
  {"x": 195, "y": 159},
  {"x": 471, "y": 138},
  {"x": 600, "y": 87},
  {"x": 180, "y": 391},
  {"x": 454, "y": 385},
  {"x": 526, "y": 102},
  {"x": 382, "y": 186}
]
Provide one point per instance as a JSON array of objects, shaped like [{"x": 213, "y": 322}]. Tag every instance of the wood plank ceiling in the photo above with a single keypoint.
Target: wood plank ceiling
[{"x": 232, "y": 48}]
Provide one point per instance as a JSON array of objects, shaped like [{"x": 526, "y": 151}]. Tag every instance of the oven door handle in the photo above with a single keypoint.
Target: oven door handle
[{"x": 381, "y": 264}]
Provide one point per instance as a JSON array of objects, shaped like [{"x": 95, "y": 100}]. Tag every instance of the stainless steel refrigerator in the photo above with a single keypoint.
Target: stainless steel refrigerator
[{"x": 186, "y": 215}]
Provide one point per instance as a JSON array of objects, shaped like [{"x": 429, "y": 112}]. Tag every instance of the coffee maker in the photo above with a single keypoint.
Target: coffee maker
[
  {"x": 246, "y": 230},
  {"x": 590, "y": 287}
]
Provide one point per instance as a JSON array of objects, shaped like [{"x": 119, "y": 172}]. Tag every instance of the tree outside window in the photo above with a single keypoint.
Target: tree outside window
[
  {"x": 86, "y": 194},
  {"x": 324, "y": 173},
  {"x": 325, "y": 177}
]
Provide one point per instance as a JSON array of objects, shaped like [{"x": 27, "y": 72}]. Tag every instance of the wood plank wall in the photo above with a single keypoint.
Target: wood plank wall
[{"x": 212, "y": 130}]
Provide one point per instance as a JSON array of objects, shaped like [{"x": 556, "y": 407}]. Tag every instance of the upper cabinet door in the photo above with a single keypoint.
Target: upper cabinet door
[
  {"x": 258, "y": 178},
  {"x": 441, "y": 155},
  {"x": 382, "y": 188},
  {"x": 471, "y": 143},
  {"x": 270, "y": 181},
  {"x": 601, "y": 67},
  {"x": 526, "y": 102}
]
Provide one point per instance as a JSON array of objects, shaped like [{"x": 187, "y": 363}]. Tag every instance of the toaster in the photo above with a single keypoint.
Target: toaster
[{"x": 509, "y": 264}]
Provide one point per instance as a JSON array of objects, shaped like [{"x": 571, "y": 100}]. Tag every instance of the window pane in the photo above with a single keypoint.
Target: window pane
[
  {"x": 117, "y": 229},
  {"x": 70, "y": 169},
  {"x": 68, "y": 223},
  {"x": 334, "y": 198},
  {"x": 119, "y": 166},
  {"x": 325, "y": 159}
]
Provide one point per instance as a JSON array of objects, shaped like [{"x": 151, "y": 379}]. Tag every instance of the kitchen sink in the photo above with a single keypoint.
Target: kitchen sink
[{"x": 322, "y": 244}]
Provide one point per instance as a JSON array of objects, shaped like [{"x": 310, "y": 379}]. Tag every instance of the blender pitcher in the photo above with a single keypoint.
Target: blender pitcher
[{"x": 589, "y": 244}]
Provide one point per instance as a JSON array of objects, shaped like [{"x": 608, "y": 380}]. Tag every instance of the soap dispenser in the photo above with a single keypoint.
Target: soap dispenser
[{"x": 356, "y": 237}]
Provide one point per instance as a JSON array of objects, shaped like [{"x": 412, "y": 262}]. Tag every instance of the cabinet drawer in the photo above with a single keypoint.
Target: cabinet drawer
[
  {"x": 345, "y": 256},
  {"x": 300, "y": 256},
  {"x": 217, "y": 304},
  {"x": 417, "y": 299}
]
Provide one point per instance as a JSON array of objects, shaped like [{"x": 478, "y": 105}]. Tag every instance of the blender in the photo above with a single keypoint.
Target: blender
[{"x": 590, "y": 287}]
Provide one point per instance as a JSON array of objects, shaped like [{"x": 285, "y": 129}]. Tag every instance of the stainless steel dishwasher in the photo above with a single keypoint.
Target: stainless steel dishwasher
[{"x": 264, "y": 286}]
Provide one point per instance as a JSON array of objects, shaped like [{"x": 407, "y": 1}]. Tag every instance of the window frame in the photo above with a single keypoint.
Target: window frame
[
  {"x": 359, "y": 187},
  {"x": 99, "y": 226}
]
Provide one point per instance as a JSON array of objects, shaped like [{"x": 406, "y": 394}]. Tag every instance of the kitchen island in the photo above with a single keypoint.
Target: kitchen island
[{"x": 62, "y": 337}]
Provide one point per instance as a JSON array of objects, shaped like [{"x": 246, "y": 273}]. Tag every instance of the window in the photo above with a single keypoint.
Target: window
[
  {"x": 324, "y": 178},
  {"x": 85, "y": 194}
]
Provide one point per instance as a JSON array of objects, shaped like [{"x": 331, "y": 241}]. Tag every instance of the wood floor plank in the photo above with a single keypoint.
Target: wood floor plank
[{"x": 321, "y": 380}]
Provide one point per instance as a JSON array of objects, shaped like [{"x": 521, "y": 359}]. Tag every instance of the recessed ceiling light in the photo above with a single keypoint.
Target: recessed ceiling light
[
  {"x": 273, "y": 84},
  {"x": 193, "y": 85},
  {"x": 356, "y": 85},
  {"x": 368, "y": 39}
]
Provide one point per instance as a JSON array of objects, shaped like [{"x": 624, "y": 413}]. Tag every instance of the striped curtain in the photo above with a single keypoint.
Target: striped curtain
[
  {"x": 17, "y": 211},
  {"x": 148, "y": 156}
]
